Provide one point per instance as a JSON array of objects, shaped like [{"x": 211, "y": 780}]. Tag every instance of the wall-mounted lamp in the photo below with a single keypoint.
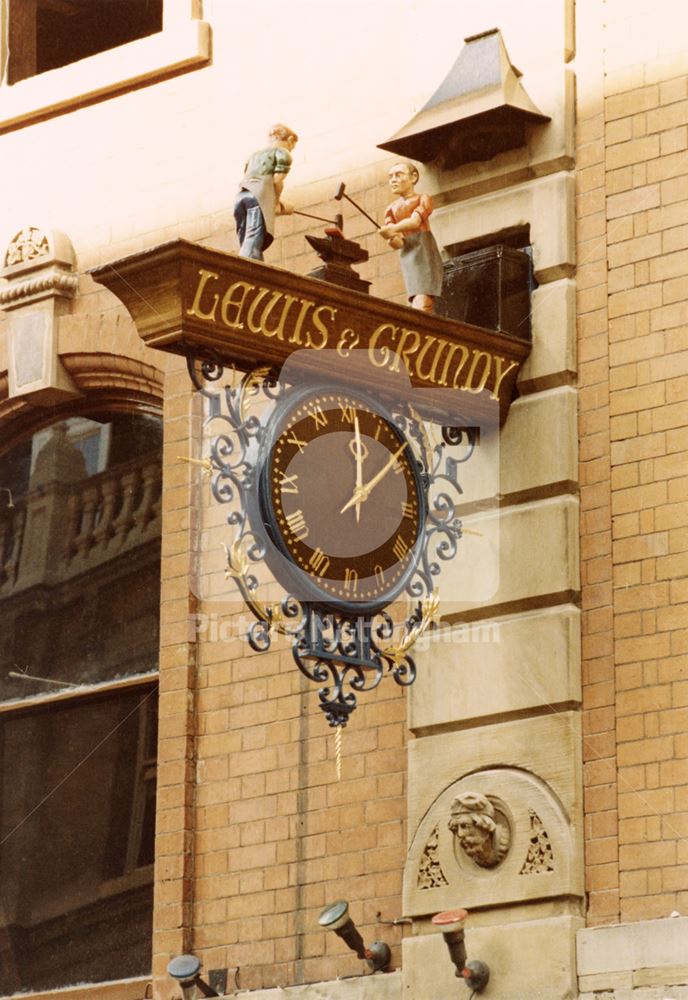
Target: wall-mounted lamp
[
  {"x": 336, "y": 918},
  {"x": 186, "y": 970},
  {"x": 475, "y": 973},
  {"x": 10, "y": 501}
]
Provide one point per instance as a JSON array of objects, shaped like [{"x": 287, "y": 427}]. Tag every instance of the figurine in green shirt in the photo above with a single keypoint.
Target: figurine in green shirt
[{"x": 259, "y": 198}]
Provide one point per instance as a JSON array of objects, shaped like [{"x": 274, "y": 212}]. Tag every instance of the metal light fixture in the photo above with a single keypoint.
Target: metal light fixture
[
  {"x": 475, "y": 973},
  {"x": 10, "y": 501},
  {"x": 186, "y": 970},
  {"x": 335, "y": 917}
]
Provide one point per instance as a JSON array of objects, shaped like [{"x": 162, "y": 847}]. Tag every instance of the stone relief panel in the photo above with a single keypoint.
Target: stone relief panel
[
  {"x": 29, "y": 242},
  {"x": 430, "y": 874},
  {"x": 494, "y": 836}
]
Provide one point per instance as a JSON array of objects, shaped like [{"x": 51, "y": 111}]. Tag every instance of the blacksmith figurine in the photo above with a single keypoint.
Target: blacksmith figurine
[
  {"x": 407, "y": 228},
  {"x": 260, "y": 193}
]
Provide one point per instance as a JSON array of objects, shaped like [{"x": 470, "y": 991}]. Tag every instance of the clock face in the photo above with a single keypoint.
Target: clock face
[{"x": 343, "y": 498}]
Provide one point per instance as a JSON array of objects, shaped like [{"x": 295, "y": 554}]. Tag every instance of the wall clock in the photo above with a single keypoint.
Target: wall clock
[
  {"x": 343, "y": 498},
  {"x": 349, "y": 505}
]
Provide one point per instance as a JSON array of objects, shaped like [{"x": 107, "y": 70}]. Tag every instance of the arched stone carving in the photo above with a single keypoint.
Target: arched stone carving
[{"x": 532, "y": 856}]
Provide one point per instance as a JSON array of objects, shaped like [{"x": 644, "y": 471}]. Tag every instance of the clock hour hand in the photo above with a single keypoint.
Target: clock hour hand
[{"x": 361, "y": 493}]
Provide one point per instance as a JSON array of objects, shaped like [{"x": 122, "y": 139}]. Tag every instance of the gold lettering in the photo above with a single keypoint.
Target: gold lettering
[
  {"x": 500, "y": 375},
  {"x": 297, "y": 525},
  {"x": 295, "y": 338},
  {"x": 384, "y": 350},
  {"x": 400, "y": 548},
  {"x": 319, "y": 417},
  {"x": 319, "y": 562},
  {"x": 471, "y": 372},
  {"x": 288, "y": 484},
  {"x": 320, "y": 327},
  {"x": 195, "y": 309},
  {"x": 406, "y": 509},
  {"x": 379, "y": 575},
  {"x": 228, "y": 300},
  {"x": 350, "y": 580},
  {"x": 250, "y": 319},
  {"x": 348, "y": 412},
  {"x": 347, "y": 342},
  {"x": 430, "y": 376},
  {"x": 297, "y": 442},
  {"x": 404, "y": 353},
  {"x": 464, "y": 357},
  {"x": 278, "y": 331}
]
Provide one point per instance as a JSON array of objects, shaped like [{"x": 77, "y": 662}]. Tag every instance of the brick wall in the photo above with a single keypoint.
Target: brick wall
[
  {"x": 632, "y": 314},
  {"x": 256, "y": 833}
]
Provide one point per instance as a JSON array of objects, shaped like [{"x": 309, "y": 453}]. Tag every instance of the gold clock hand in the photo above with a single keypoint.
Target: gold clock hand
[
  {"x": 359, "y": 465},
  {"x": 360, "y": 452},
  {"x": 361, "y": 493}
]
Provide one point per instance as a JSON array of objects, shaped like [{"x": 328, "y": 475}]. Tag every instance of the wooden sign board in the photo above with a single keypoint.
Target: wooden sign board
[{"x": 195, "y": 301}]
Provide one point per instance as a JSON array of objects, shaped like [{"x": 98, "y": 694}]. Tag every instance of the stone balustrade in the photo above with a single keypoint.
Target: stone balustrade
[{"x": 61, "y": 529}]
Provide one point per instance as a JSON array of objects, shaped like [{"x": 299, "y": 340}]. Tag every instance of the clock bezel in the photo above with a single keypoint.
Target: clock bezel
[{"x": 304, "y": 583}]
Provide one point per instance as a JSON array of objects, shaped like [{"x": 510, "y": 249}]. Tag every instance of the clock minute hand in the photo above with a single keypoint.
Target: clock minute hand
[
  {"x": 361, "y": 493},
  {"x": 359, "y": 466}
]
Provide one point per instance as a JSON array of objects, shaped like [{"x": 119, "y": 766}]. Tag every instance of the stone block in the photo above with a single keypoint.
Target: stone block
[
  {"x": 553, "y": 323},
  {"x": 484, "y": 669},
  {"x": 646, "y": 944},
  {"x": 533, "y": 959},
  {"x": 497, "y": 562},
  {"x": 542, "y": 431},
  {"x": 381, "y": 986},
  {"x": 546, "y": 423},
  {"x": 531, "y": 771},
  {"x": 545, "y": 204},
  {"x": 665, "y": 975}
]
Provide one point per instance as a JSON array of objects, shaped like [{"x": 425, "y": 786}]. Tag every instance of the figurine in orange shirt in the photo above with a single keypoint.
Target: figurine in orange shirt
[{"x": 406, "y": 228}]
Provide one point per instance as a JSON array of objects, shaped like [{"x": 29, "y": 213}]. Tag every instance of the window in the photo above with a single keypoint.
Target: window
[
  {"x": 59, "y": 55},
  {"x": 79, "y": 609},
  {"x": 46, "y": 34}
]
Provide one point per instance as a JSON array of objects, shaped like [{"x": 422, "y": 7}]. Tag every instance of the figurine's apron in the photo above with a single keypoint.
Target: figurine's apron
[
  {"x": 421, "y": 265},
  {"x": 263, "y": 190}
]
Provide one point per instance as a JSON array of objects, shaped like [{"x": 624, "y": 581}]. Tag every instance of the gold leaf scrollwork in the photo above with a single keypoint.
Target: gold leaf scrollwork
[
  {"x": 249, "y": 389},
  {"x": 272, "y": 615},
  {"x": 428, "y": 615}
]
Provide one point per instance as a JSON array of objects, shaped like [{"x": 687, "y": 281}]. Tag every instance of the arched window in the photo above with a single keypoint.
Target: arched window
[{"x": 79, "y": 612}]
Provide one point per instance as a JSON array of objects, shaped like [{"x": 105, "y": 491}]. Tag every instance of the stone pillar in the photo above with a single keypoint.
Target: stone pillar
[{"x": 40, "y": 280}]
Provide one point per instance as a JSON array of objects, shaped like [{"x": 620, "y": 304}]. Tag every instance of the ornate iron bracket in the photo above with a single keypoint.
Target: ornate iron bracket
[{"x": 346, "y": 654}]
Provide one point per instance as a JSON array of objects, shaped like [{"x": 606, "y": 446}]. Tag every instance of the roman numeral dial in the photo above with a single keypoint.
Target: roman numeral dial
[{"x": 342, "y": 499}]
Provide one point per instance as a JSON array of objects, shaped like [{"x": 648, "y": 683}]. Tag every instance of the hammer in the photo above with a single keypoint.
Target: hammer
[
  {"x": 338, "y": 220},
  {"x": 341, "y": 193}
]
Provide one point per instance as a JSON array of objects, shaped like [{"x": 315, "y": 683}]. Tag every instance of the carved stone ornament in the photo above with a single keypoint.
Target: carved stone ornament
[
  {"x": 29, "y": 243},
  {"x": 430, "y": 872},
  {"x": 540, "y": 857},
  {"x": 39, "y": 268},
  {"x": 492, "y": 837},
  {"x": 480, "y": 828}
]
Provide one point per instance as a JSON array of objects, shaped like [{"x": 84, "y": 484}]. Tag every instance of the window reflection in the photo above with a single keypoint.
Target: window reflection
[
  {"x": 79, "y": 608},
  {"x": 79, "y": 555}
]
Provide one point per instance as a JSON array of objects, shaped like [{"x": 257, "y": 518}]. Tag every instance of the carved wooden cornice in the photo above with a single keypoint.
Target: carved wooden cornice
[{"x": 194, "y": 301}]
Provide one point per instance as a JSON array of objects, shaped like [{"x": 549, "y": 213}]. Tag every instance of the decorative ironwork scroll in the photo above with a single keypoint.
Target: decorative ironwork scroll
[{"x": 345, "y": 653}]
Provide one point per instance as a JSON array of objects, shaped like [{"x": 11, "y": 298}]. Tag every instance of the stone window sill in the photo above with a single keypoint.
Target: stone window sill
[
  {"x": 175, "y": 49},
  {"x": 124, "y": 989}
]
